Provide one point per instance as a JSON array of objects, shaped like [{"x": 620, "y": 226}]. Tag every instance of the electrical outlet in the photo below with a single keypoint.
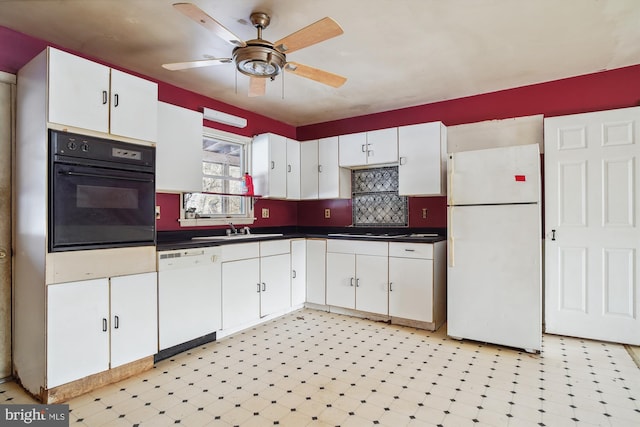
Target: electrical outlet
[
  {"x": 157, "y": 212},
  {"x": 265, "y": 212},
  {"x": 424, "y": 213},
  {"x": 327, "y": 213}
]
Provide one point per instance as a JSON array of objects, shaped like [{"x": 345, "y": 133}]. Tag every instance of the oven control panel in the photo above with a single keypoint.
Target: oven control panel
[{"x": 126, "y": 154}]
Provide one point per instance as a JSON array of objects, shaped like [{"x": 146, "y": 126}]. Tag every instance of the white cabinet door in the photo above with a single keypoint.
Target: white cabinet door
[
  {"x": 411, "y": 288},
  {"x": 179, "y": 149},
  {"x": 422, "y": 152},
  {"x": 316, "y": 271},
  {"x": 372, "y": 294},
  {"x": 592, "y": 237},
  {"x": 134, "y": 107},
  {"x": 78, "y": 92},
  {"x": 353, "y": 149},
  {"x": 134, "y": 317},
  {"x": 77, "y": 330},
  {"x": 269, "y": 165},
  {"x": 298, "y": 271},
  {"x": 275, "y": 282},
  {"x": 293, "y": 169},
  {"x": 240, "y": 292},
  {"x": 341, "y": 278},
  {"x": 382, "y": 146},
  {"x": 334, "y": 182},
  {"x": 309, "y": 170}
]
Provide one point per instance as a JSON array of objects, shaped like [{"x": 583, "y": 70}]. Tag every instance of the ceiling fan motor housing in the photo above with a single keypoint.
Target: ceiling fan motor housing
[{"x": 259, "y": 59}]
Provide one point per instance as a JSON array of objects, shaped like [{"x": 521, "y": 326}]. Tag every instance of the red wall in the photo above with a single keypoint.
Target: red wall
[{"x": 617, "y": 88}]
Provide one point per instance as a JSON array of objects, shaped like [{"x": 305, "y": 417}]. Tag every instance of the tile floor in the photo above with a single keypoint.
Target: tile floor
[{"x": 312, "y": 368}]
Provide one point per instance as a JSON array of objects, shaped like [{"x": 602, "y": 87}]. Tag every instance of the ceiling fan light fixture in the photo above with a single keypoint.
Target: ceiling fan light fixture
[{"x": 259, "y": 59}]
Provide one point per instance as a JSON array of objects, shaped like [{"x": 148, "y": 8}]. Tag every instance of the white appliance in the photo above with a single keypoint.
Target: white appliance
[{"x": 494, "y": 289}]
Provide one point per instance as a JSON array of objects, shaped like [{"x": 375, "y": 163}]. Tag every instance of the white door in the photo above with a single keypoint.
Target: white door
[
  {"x": 298, "y": 271},
  {"x": 78, "y": 92},
  {"x": 592, "y": 239},
  {"x": 134, "y": 107},
  {"x": 372, "y": 284},
  {"x": 240, "y": 292},
  {"x": 275, "y": 281},
  {"x": 333, "y": 181},
  {"x": 382, "y": 146},
  {"x": 316, "y": 271},
  {"x": 77, "y": 330},
  {"x": 293, "y": 169},
  {"x": 422, "y": 165},
  {"x": 411, "y": 288},
  {"x": 309, "y": 170},
  {"x": 277, "y": 166},
  {"x": 341, "y": 278},
  {"x": 134, "y": 317},
  {"x": 6, "y": 114},
  {"x": 353, "y": 149}
]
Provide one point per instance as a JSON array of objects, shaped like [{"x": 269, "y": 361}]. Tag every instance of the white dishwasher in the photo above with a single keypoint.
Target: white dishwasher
[{"x": 189, "y": 297}]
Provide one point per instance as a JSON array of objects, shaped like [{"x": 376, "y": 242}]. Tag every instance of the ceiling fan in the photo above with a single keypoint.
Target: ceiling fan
[{"x": 260, "y": 59}]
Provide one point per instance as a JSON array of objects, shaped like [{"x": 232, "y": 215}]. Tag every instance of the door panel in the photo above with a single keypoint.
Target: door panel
[
  {"x": 6, "y": 127},
  {"x": 592, "y": 239}
]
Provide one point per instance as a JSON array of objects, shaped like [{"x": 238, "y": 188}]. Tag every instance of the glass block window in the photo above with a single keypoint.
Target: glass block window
[{"x": 375, "y": 198}]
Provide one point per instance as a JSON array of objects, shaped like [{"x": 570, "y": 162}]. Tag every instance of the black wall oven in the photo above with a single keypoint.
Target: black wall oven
[{"x": 101, "y": 193}]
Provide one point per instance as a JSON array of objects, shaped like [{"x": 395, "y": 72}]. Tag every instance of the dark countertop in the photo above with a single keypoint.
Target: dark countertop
[{"x": 185, "y": 240}]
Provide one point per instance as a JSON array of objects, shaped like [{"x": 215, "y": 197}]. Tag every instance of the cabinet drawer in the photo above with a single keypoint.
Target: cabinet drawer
[
  {"x": 275, "y": 247},
  {"x": 358, "y": 247},
  {"x": 411, "y": 250},
  {"x": 238, "y": 251}
]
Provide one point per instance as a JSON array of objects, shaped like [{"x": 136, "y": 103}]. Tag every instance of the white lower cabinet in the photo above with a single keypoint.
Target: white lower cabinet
[
  {"x": 107, "y": 323},
  {"x": 316, "y": 271},
  {"x": 417, "y": 282},
  {"x": 357, "y": 275},
  {"x": 256, "y": 281},
  {"x": 298, "y": 271}
]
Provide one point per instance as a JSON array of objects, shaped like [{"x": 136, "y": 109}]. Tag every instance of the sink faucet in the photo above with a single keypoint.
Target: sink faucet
[{"x": 233, "y": 229}]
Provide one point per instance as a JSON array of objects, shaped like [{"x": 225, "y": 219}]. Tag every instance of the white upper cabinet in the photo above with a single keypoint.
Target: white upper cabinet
[
  {"x": 334, "y": 182},
  {"x": 133, "y": 107},
  {"x": 179, "y": 149},
  {"x": 423, "y": 158},
  {"x": 309, "y": 170},
  {"x": 293, "y": 169},
  {"x": 88, "y": 95},
  {"x": 369, "y": 148},
  {"x": 269, "y": 165}
]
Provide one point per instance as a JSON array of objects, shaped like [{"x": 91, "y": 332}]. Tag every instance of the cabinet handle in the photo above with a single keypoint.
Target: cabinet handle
[
  {"x": 390, "y": 286},
  {"x": 319, "y": 168},
  {"x": 258, "y": 287},
  {"x": 273, "y": 164},
  {"x": 351, "y": 282},
  {"x": 116, "y": 99},
  {"x": 553, "y": 235},
  {"x": 369, "y": 153},
  {"x": 363, "y": 150},
  {"x": 358, "y": 282},
  {"x": 116, "y": 322},
  {"x": 409, "y": 250},
  {"x": 403, "y": 161},
  {"x": 288, "y": 168},
  {"x": 264, "y": 287},
  {"x": 294, "y": 274},
  {"x": 105, "y": 97},
  {"x": 104, "y": 324}
]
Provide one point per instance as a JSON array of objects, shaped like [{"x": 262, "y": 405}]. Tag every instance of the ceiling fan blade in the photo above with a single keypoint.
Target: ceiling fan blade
[
  {"x": 257, "y": 86},
  {"x": 316, "y": 74},
  {"x": 192, "y": 11},
  {"x": 175, "y": 66},
  {"x": 317, "y": 32}
]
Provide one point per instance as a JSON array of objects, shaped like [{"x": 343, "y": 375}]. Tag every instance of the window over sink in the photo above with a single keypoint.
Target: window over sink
[{"x": 224, "y": 162}]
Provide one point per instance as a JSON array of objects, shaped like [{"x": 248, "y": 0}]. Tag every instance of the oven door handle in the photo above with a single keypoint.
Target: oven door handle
[{"x": 97, "y": 175}]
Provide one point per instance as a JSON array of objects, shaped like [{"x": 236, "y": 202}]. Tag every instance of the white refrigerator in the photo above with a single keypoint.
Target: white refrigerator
[{"x": 494, "y": 285}]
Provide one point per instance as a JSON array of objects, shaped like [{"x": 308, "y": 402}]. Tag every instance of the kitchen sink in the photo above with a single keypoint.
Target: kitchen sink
[
  {"x": 368, "y": 235},
  {"x": 237, "y": 236}
]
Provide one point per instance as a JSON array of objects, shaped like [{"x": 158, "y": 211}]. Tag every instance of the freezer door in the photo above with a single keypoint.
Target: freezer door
[
  {"x": 494, "y": 276},
  {"x": 496, "y": 175}
]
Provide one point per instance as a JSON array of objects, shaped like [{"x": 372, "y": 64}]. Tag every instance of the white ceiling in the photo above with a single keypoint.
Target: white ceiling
[{"x": 394, "y": 53}]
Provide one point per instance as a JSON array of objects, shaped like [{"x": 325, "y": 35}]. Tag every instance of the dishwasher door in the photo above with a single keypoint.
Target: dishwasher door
[{"x": 189, "y": 295}]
